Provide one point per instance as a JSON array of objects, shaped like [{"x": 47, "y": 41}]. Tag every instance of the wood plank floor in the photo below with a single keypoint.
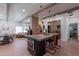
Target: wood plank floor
[
  {"x": 19, "y": 48},
  {"x": 69, "y": 48}
]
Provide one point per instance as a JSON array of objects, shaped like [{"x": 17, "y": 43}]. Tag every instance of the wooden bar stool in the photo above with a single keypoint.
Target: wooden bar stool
[
  {"x": 49, "y": 49},
  {"x": 55, "y": 42}
]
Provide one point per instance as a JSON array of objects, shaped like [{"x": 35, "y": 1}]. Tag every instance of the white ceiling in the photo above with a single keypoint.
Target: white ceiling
[{"x": 18, "y": 11}]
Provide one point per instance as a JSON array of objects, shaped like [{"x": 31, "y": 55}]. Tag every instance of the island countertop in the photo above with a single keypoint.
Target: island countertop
[{"x": 40, "y": 37}]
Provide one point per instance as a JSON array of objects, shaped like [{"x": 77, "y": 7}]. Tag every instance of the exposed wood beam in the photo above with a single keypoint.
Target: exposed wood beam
[
  {"x": 66, "y": 11},
  {"x": 46, "y": 7},
  {"x": 8, "y": 10}
]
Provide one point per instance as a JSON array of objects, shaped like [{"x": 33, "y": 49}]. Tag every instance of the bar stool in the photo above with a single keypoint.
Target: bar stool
[
  {"x": 55, "y": 42},
  {"x": 48, "y": 46}
]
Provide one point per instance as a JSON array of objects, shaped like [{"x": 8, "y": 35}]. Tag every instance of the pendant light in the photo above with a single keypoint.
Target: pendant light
[
  {"x": 49, "y": 23},
  {"x": 49, "y": 17}
]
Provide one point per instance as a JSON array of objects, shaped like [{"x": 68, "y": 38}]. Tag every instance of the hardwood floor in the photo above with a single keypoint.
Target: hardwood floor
[
  {"x": 19, "y": 48},
  {"x": 69, "y": 48}
]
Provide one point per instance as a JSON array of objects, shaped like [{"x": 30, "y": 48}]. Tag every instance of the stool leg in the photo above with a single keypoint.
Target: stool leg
[
  {"x": 56, "y": 43},
  {"x": 56, "y": 46},
  {"x": 49, "y": 46}
]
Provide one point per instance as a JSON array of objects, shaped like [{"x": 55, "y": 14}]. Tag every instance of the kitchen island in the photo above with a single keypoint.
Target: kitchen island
[{"x": 36, "y": 43}]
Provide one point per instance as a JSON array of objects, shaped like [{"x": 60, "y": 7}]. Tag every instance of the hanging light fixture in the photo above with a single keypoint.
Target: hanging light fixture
[
  {"x": 49, "y": 17},
  {"x": 40, "y": 22},
  {"x": 49, "y": 23}
]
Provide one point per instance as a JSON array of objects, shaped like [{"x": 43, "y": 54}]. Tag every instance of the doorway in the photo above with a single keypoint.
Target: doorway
[
  {"x": 73, "y": 31},
  {"x": 54, "y": 27}
]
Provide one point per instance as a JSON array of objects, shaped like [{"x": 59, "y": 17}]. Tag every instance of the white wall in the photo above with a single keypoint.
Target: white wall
[
  {"x": 65, "y": 21},
  {"x": 11, "y": 25},
  {"x": 4, "y": 25},
  {"x": 64, "y": 28},
  {"x": 74, "y": 20}
]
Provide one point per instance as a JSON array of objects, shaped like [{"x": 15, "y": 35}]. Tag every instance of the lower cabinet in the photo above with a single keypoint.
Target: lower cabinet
[{"x": 36, "y": 48}]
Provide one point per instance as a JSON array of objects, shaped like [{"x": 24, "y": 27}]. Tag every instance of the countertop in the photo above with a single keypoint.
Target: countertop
[{"x": 40, "y": 37}]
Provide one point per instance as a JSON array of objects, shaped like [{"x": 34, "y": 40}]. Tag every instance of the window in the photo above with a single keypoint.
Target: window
[
  {"x": 18, "y": 30},
  {"x": 24, "y": 29}
]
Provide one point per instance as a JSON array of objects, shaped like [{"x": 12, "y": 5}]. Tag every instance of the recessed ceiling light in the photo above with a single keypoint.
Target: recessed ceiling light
[{"x": 23, "y": 10}]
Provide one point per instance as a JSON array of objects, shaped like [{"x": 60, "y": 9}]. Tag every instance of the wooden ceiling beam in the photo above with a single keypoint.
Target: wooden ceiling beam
[
  {"x": 46, "y": 7},
  {"x": 66, "y": 11},
  {"x": 7, "y": 11}
]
